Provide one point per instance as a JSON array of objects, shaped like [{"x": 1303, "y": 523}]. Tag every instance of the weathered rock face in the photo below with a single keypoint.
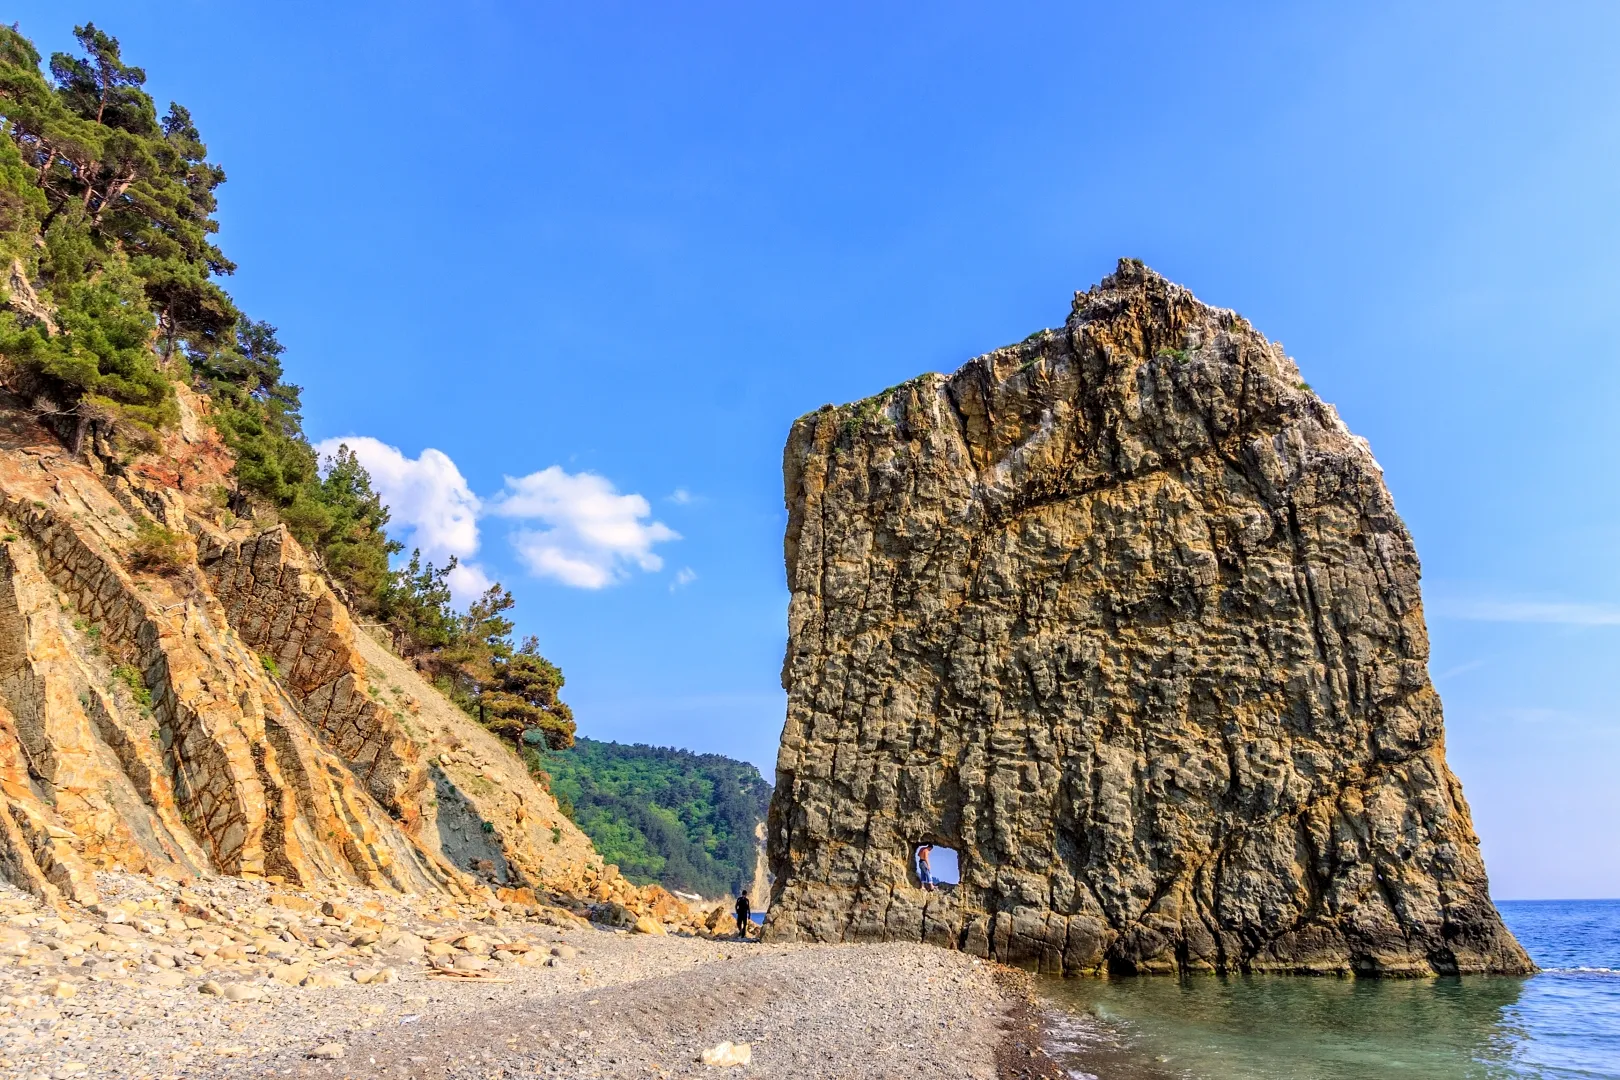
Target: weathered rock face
[
  {"x": 1125, "y": 615},
  {"x": 225, "y": 715},
  {"x": 283, "y": 609}
]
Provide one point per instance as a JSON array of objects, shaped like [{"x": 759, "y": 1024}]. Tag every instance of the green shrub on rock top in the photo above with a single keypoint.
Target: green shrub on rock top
[{"x": 157, "y": 548}]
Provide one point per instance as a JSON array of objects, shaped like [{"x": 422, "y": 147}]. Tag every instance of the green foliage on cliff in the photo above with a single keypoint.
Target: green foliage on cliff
[
  {"x": 106, "y": 213},
  {"x": 110, "y": 295},
  {"x": 683, "y": 820},
  {"x": 332, "y": 511}
]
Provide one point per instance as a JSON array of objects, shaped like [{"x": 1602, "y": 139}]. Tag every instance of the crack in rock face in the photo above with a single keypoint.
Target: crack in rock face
[{"x": 1125, "y": 616}]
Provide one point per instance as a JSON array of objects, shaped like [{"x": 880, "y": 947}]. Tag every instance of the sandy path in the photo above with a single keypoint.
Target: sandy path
[{"x": 858, "y": 1012}]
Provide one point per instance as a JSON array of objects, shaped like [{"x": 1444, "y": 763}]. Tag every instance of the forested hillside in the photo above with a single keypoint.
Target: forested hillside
[{"x": 686, "y": 821}]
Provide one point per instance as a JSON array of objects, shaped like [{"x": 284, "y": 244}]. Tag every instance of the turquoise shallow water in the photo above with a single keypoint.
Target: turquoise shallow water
[{"x": 1563, "y": 1023}]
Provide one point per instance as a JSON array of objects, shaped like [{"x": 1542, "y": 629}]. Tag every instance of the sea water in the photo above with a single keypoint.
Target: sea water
[{"x": 1564, "y": 1022}]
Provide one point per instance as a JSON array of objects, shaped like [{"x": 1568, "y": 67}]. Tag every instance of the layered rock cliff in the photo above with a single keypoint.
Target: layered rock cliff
[
  {"x": 1125, "y": 615},
  {"x": 213, "y": 709}
]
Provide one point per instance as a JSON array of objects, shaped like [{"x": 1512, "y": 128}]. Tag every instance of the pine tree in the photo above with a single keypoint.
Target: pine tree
[
  {"x": 123, "y": 206},
  {"x": 415, "y": 604},
  {"x": 523, "y": 698},
  {"x": 90, "y": 84},
  {"x": 349, "y": 545},
  {"x": 482, "y": 638}
]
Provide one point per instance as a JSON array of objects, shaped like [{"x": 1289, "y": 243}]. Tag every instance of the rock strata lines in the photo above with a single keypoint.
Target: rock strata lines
[{"x": 226, "y": 715}]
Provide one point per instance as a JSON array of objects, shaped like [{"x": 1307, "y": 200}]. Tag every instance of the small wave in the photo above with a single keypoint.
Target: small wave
[
  {"x": 1600, "y": 972},
  {"x": 1068, "y": 1033}
]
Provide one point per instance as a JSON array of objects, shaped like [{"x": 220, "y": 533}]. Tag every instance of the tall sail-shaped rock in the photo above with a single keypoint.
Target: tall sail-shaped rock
[{"x": 1125, "y": 615}]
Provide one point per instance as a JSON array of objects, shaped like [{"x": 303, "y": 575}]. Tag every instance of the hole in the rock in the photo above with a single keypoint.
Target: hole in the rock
[{"x": 935, "y": 864}]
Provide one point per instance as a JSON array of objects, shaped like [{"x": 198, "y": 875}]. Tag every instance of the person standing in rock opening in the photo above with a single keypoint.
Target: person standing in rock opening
[
  {"x": 925, "y": 872},
  {"x": 745, "y": 912}
]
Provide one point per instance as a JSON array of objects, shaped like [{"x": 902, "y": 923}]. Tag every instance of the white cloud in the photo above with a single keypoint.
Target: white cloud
[
  {"x": 429, "y": 503},
  {"x": 585, "y": 533},
  {"x": 680, "y": 496},
  {"x": 683, "y": 577},
  {"x": 1557, "y": 612},
  {"x": 593, "y": 534},
  {"x": 467, "y": 581}
]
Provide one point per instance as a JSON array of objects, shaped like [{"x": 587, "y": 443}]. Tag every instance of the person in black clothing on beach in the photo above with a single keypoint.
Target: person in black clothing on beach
[{"x": 745, "y": 912}]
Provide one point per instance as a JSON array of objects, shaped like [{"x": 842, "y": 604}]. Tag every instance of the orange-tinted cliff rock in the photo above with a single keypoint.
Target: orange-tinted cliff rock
[{"x": 226, "y": 715}]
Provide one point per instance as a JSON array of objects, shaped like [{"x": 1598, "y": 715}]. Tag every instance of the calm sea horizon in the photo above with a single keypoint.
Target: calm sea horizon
[{"x": 1563, "y": 1023}]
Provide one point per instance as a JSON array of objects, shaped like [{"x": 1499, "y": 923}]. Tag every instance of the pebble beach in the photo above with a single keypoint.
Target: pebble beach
[{"x": 233, "y": 978}]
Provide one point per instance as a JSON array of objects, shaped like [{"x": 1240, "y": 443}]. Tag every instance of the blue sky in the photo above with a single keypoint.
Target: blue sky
[{"x": 610, "y": 251}]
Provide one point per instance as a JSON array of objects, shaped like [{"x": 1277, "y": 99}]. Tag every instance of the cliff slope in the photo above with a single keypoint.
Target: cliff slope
[
  {"x": 208, "y": 705},
  {"x": 1126, "y": 616},
  {"x": 182, "y": 688}
]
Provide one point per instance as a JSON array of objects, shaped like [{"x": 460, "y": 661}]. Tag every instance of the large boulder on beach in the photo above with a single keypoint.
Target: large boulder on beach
[{"x": 1123, "y": 614}]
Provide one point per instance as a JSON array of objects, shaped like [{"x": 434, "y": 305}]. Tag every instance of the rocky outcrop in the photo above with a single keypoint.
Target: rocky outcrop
[
  {"x": 132, "y": 687},
  {"x": 22, "y": 299},
  {"x": 1125, "y": 615},
  {"x": 218, "y": 711},
  {"x": 281, "y": 607}
]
